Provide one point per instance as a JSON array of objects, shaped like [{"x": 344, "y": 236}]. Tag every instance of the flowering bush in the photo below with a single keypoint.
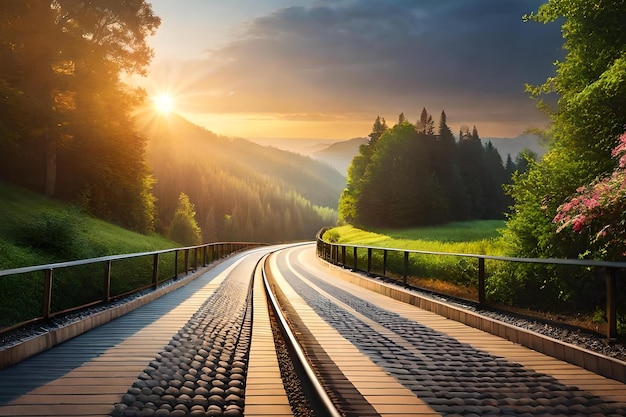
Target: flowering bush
[{"x": 599, "y": 209}]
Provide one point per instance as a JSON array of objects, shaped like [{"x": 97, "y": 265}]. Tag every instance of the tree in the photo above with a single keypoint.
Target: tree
[
  {"x": 598, "y": 211},
  {"x": 591, "y": 114},
  {"x": 401, "y": 118},
  {"x": 398, "y": 187},
  {"x": 425, "y": 124},
  {"x": 379, "y": 127},
  {"x": 347, "y": 205},
  {"x": 184, "y": 227},
  {"x": 65, "y": 58}
]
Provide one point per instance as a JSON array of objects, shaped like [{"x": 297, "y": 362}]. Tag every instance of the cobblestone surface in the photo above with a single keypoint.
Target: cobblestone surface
[
  {"x": 452, "y": 377},
  {"x": 202, "y": 371}
]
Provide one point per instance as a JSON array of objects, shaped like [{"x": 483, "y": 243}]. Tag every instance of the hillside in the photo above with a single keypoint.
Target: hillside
[
  {"x": 339, "y": 155},
  {"x": 36, "y": 230},
  {"x": 241, "y": 190}
]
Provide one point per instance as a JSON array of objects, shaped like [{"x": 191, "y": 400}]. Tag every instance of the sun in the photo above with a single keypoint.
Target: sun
[{"x": 164, "y": 103}]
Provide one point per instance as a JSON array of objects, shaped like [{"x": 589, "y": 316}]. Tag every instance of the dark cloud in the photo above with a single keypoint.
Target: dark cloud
[{"x": 368, "y": 56}]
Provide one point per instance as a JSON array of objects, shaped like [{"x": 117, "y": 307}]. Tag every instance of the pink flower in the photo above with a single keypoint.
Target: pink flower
[{"x": 578, "y": 223}]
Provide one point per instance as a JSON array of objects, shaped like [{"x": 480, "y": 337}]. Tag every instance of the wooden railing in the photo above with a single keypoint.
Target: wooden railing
[
  {"x": 338, "y": 254},
  {"x": 181, "y": 261}
]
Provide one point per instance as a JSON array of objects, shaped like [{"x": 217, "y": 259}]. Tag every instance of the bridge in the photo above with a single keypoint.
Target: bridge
[{"x": 280, "y": 331}]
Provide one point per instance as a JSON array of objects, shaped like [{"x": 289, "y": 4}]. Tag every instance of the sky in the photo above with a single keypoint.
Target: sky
[{"x": 327, "y": 68}]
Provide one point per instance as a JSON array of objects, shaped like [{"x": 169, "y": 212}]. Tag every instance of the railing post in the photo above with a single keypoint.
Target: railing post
[
  {"x": 481, "y": 280},
  {"x": 355, "y": 259},
  {"x": 343, "y": 256},
  {"x": 47, "y": 294},
  {"x": 195, "y": 259},
  {"x": 405, "y": 269},
  {"x": 155, "y": 271},
  {"x": 204, "y": 255},
  {"x": 106, "y": 287},
  {"x": 176, "y": 264},
  {"x": 186, "y": 261},
  {"x": 611, "y": 306},
  {"x": 369, "y": 260},
  {"x": 385, "y": 263}
]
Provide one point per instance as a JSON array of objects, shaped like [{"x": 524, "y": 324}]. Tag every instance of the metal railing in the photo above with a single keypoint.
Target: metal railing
[
  {"x": 337, "y": 254},
  {"x": 193, "y": 257}
]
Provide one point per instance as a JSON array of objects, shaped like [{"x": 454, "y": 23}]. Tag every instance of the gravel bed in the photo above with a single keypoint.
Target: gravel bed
[{"x": 298, "y": 400}]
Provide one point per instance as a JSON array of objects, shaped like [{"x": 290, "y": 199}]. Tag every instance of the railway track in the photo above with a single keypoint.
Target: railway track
[{"x": 277, "y": 332}]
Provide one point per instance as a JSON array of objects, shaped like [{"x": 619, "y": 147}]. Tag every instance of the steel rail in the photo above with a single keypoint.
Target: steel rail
[{"x": 322, "y": 396}]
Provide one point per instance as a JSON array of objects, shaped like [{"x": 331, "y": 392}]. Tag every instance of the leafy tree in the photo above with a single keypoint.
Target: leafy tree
[
  {"x": 591, "y": 114},
  {"x": 65, "y": 58},
  {"x": 412, "y": 177},
  {"x": 598, "y": 211},
  {"x": 184, "y": 227},
  {"x": 356, "y": 173}
]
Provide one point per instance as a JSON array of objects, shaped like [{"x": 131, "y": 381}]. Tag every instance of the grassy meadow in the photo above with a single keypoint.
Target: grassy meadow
[
  {"x": 477, "y": 237},
  {"x": 452, "y": 275}
]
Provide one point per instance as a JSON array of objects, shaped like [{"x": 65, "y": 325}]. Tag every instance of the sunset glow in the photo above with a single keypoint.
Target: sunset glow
[
  {"x": 164, "y": 103},
  {"x": 234, "y": 69}
]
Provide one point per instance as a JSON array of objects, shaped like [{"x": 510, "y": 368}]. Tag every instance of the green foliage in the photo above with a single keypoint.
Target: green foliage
[
  {"x": 477, "y": 237},
  {"x": 184, "y": 227},
  {"x": 66, "y": 114},
  {"x": 54, "y": 232},
  {"x": 36, "y": 230},
  {"x": 409, "y": 176},
  {"x": 591, "y": 115}
]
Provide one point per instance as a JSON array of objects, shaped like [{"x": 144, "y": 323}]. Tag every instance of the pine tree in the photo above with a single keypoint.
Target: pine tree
[{"x": 380, "y": 127}]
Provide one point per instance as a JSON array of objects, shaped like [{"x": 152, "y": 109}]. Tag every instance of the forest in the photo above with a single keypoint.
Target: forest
[
  {"x": 416, "y": 175},
  {"x": 241, "y": 191}
]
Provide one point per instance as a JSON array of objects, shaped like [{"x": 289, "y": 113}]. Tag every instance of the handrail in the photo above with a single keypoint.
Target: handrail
[
  {"x": 27, "y": 269},
  {"x": 326, "y": 250},
  {"x": 217, "y": 249}
]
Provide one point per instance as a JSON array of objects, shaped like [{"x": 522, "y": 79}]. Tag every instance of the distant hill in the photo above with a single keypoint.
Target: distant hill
[
  {"x": 241, "y": 190},
  {"x": 340, "y": 154},
  {"x": 513, "y": 146}
]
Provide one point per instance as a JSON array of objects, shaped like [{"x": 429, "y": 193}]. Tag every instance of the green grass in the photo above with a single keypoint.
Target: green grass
[
  {"x": 476, "y": 237},
  {"x": 452, "y": 275},
  {"x": 35, "y": 230}
]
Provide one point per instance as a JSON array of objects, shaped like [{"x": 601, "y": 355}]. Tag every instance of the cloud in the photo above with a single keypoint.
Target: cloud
[{"x": 373, "y": 56}]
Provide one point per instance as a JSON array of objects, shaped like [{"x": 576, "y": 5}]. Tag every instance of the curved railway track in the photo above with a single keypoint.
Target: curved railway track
[{"x": 275, "y": 332}]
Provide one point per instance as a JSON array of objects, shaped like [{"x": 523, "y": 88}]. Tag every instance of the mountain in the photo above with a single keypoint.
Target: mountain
[
  {"x": 241, "y": 190},
  {"x": 303, "y": 146},
  {"x": 339, "y": 155},
  {"x": 513, "y": 146}
]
